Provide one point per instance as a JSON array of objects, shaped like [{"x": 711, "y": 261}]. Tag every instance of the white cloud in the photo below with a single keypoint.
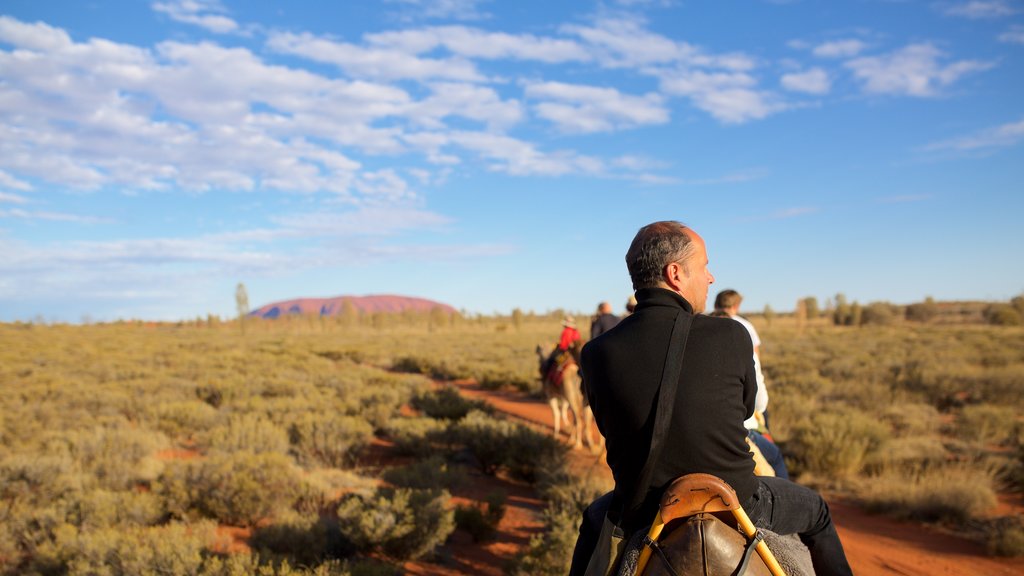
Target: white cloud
[
  {"x": 445, "y": 9},
  {"x": 586, "y": 109},
  {"x": 839, "y": 48},
  {"x": 475, "y": 43},
  {"x": 1015, "y": 35},
  {"x": 208, "y": 14},
  {"x": 49, "y": 216},
  {"x": 375, "y": 63},
  {"x": 471, "y": 101},
  {"x": 10, "y": 182},
  {"x": 813, "y": 81},
  {"x": 914, "y": 70},
  {"x": 625, "y": 42},
  {"x": 1000, "y": 136},
  {"x": 13, "y": 198},
  {"x": 980, "y": 9},
  {"x": 730, "y": 97}
]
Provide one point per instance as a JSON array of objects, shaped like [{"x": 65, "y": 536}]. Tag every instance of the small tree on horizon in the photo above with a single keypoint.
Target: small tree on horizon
[{"x": 242, "y": 302}]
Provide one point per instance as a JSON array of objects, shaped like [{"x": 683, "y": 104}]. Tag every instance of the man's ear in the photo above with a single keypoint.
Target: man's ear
[{"x": 673, "y": 275}]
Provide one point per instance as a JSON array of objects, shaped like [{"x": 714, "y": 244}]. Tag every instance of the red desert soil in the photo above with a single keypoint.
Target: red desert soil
[{"x": 874, "y": 544}]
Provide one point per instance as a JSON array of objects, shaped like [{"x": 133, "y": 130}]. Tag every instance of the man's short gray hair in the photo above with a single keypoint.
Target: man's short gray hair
[{"x": 655, "y": 246}]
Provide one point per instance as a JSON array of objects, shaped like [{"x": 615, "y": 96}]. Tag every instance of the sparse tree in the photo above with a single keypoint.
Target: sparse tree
[
  {"x": 922, "y": 311},
  {"x": 517, "y": 318},
  {"x": 769, "y": 314},
  {"x": 242, "y": 302},
  {"x": 801, "y": 312},
  {"x": 349, "y": 315},
  {"x": 811, "y": 307},
  {"x": 856, "y": 315},
  {"x": 841, "y": 315}
]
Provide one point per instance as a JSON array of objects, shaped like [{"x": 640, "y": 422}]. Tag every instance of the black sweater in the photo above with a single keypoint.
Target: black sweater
[{"x": 622, "y": 371}]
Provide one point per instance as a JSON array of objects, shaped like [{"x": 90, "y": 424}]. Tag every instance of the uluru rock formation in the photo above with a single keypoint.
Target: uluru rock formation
[{"x": 363, "y": 304}]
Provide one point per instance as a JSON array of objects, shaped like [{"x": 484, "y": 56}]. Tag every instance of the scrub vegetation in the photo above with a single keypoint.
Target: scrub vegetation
[{"x": 221, "y": 448}]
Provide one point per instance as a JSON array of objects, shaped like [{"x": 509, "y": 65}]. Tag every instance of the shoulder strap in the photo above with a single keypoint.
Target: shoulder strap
[{"x": 664, "y": 406}]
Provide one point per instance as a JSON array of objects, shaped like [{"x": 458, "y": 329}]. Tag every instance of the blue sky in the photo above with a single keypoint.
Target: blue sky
[{"x": 494, "y": 155}]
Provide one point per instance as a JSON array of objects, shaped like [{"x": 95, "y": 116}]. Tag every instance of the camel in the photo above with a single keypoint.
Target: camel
[{"x": 567, "y": 396}]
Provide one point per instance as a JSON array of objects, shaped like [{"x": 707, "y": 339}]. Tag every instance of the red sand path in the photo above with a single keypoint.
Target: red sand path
[{"x": 874, "y": 544}]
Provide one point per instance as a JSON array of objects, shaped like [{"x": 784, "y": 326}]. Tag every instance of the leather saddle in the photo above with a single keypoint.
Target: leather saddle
[{"x": 696, "y": 533}]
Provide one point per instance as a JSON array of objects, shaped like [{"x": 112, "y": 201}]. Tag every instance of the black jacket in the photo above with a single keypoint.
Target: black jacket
[
  {"x": 716, "y": 391},
  {"x": 602, "y": 324}
]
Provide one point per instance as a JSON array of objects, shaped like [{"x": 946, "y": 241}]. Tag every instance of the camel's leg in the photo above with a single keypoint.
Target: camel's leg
[
  {"x": 555, "y": 414},
  {"x": 588, "y": 418}
]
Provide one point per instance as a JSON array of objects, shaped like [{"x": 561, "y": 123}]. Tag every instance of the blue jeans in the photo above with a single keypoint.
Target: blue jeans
[
  {"x": 787, "y": 508},
  {"x": 771, "y": 453}
]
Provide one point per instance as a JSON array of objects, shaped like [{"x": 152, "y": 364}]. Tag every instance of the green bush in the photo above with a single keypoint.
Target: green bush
[
  {"x": 247, "y": 433},
  {"x": 836, "y": 445},
  {"x": 104, "y": 508},
  {"x": 913, "y": 452},
  {"x": 404, "y": 524},
  {"x": 239, "y": 488},
  {"x": 184, "y": 419},
  {"x": 989, "y": 423},
  {"x": 447, "y": 403},
  {"x": 481, "y": 520},
  {"x": 114, "y": 455},
  {"x": 153, "y": 551},
  {"x": 1005, "y": 536},
  {"x": 489, "y": 439},
  {"x": 432, "y": 473},
  {"x": 415, "y": 436},
  {"x": 329, "y": 439},
  {"x": 1003, "y": 315},
  {"x": 948, "y": 493},
  {"x": 296, "y": 538}
]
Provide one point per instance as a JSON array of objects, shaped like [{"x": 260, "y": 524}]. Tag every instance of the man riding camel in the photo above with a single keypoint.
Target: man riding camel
[{"x": 668, "y": 265}]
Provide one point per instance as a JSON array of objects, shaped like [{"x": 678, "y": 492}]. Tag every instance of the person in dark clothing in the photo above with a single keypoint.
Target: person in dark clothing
[
  {"x": 668, "y": 266},
  {"x": 604, "y": 321}
]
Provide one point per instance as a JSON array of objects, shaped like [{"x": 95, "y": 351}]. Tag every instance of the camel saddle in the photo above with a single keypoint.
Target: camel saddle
[{"x": 700, "y": 535}]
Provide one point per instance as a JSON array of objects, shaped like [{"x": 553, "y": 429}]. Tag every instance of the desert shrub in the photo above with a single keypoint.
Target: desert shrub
[
  {"x": 879, "y": 313},
  {"x": 378, "y": 405},
  {"x": 247, "y": 433},
  {"x": 989, "y": 423},
  {"x": 1002, "y": 315},
  {"x": 183, "y": 419},
  {"x": 239, "y": 488},
  {"x": 948, "y": 493},
  {"x": 432, "y": 473},
  {"x": 293, "y": 537},
  {"x": 910, "y": 452},
  {"x": 1005, "y": 536},
  {"x": 414, "y": 436},
  {"x": 152, "y": 551},
  {"x": 114, "y": 456},
  {"x": 496, "y": 379},
  {"x": 911, "y": 418},
  {"x": 255, "y": 565},
  {"x": 404, "y": 524},
  {"x": 922, "y": 311},
  {"x": 329, "y": 439},
  {"x": 487, "y": 438},
  {"x": 549, "y": 553},
  {"x": 836, "y": 445},
  {"x": 103, "y": 508},
  {"x": 448, "y": 404},
  {"x": 531, "y": 454},
  {"x": 437, "y": 368},
  {"x": 481, "y": 520}
]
